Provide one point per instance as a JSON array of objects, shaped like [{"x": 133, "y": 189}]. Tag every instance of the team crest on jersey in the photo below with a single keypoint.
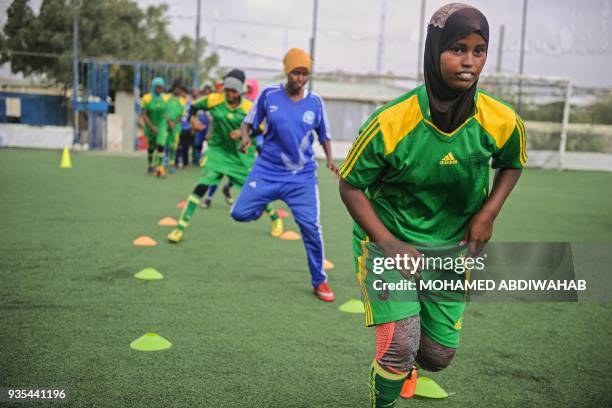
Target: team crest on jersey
[
  {"x": 273, "y": 108},
  {"x": 230, "y": 115},
  {"x": 308, "y": 117}
]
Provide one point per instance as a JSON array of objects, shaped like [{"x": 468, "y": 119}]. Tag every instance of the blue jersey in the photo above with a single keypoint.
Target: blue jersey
[
  {"x": 185, "y": 125},
  {"x": 289, "y": 126},
  {"x": 203, "y": 118}
]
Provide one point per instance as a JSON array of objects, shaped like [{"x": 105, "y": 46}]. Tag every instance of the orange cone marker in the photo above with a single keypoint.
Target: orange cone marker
[
  {"x": 290, "y": 236},
  {"x": 168, "y": 222},
  {"x": 145, "y": 241}
]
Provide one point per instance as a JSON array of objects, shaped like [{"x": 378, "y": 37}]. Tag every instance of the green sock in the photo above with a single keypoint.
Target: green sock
[
  {"x": 192, "y": 203},
  {"x": 150, "y": 157},
  {"x": 271, "y": 212},
  {"x": 160, "y": 159},
  {"x": 385, "y": 387},
  {"x": 171, "y": 157}
]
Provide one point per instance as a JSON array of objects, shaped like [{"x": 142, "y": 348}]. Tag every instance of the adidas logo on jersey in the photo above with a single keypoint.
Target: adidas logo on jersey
[{"x": 448, "y": 159}]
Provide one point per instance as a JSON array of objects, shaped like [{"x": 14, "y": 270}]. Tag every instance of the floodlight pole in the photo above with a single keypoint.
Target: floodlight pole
[
  {"x": 420, "y": 46},
  {"x": 313, "y": 39},
  {"x": 381, "y": 37},
  {"x": 522, "y": 56},
  {"x": 75, "y": 73},
  {"x": 196, "y": 64}
]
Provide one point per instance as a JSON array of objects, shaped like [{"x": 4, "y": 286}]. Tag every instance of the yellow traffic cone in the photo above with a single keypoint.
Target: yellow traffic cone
[{"x": 66, "y": 163}]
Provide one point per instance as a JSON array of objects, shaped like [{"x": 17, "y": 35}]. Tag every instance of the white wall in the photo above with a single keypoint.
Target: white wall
[{"x": 42, "y": 137}]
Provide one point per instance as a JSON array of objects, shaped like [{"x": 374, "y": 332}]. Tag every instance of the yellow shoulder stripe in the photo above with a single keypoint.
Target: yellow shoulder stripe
[
  {"x": 246, "y": 105},
  {"x": 146, "y": 98},
  {"x": 496, "y": 118},
  {"x": 166, "y": 97},
  {"x": 398, "y": 121},
  {"x": 359, "y": 146},
  {"x": 215, "y": 99}
]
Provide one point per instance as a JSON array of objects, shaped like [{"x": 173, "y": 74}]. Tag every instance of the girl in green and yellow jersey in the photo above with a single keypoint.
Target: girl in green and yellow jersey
[
  {"x": 416, "y": 177},
  {"x": 153, "y": 114}
]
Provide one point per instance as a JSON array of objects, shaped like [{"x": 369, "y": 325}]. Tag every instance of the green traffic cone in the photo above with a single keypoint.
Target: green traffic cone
[
  {"x": 428, "y": 388},
  {"x": 149, "y": 274},
  {"x": 150, "y": 342},
  {"x": 352, "y": 306}
]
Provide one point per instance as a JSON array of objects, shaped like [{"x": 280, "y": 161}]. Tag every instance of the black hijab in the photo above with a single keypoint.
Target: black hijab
[{"x": 450, "y": 108}]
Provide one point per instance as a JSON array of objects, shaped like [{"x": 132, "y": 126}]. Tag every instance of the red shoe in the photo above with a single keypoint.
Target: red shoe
[
  {"x": 409, "y": 386},
  {"x": 324, "y": 292}
]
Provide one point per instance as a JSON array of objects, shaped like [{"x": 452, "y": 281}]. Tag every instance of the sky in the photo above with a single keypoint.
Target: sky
[{"x": 564, "y": 38}]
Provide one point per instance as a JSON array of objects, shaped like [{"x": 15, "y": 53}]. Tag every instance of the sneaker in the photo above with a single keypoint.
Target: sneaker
[
  {"x": 324, "y": 292},
  {"x": 206, "y": 203},
  {"x": 150, "y": 170},
  {"x": 277, "y": 228},
  {"x": 410, "y": 384},
  {"x": 161, "y": 172},
  {"x": 175, "y": 236},
  {"x": 172, "y": 170},
  {"x": 227, "y": 193}
]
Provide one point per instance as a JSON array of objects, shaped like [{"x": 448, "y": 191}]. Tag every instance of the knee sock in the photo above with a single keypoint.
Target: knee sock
[
  {"x": 171, "y": 156},
  {"x": 271, "y": 212},
  {"x": 385, "y": 386},
  {"x": 211, "y": 191},
  {"x": 150, "y": 152},
  {"x": 160, "y": 156},
  {"x": 192, "y": 203}
]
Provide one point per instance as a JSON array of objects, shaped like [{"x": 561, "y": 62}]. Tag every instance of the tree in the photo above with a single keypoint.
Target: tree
[{"x": 116, "y": 29}]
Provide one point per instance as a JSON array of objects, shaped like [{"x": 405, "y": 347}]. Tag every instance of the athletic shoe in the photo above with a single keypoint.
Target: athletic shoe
[
  {"x": 410, "y": 383},
  {"x": 172, "y": 170},
  {"x": 150, "y": 170},
  {"x": 277, "y": 228},
  {"x": 175, "y": 236},
  {"x": 227, "y": 193},
  {"x": 161, "y": 172},
  {"x": 206, "y": 203},
  {"x": 324, "y": 292}
]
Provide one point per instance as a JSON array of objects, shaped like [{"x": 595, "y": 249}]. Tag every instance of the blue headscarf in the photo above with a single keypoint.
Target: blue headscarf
[{"x": 157, "y": 81}]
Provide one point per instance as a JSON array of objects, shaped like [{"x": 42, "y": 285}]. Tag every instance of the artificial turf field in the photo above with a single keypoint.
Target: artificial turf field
[{"x": 237, "y": 304}]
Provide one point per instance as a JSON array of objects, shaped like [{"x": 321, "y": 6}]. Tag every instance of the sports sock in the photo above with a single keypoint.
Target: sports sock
[
  {"x": 150, "y": 156},
  {"x": 385, "y": 386},
  {"x": 211, "y": 191},
  {"x": 192, "y": 203},
  {"x": 271, "y": 212},
  {"x": 160, "y": 156}
]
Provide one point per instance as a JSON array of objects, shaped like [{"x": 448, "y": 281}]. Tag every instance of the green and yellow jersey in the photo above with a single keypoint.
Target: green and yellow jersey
[
  {"x": 175, "y": 110},
  {"x": 425, "y": 184},
  {"x": 155, "y": 106},
  {"x": 225, "y": 119}
]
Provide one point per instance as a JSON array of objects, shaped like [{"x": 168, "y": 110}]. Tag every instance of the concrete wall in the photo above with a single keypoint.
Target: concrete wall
[
  {"x": 124, "y": 107},
  {"x": 45, "y": 137}
]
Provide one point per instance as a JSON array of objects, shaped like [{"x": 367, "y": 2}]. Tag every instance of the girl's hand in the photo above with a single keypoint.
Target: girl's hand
[
  {"x": 153, "y": 129},
  {"x": 393, "y": 248},
  {"x": 235, "y": 134},
  {"x": 245, "y": 144},
  {"x": 332, "y": 167},
  {"x": 478, "y": 232}
]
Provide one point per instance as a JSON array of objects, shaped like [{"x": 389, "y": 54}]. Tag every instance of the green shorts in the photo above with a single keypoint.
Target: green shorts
[
  {"x": 217, "y": 164},
  {"x": 441, "y": 313},
  {"x": 158, "y": 139},
  {"x": 173, "y": 137}
]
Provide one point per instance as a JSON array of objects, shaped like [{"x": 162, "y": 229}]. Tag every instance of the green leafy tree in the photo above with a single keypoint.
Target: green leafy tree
[{"x": 116, "y": 29}]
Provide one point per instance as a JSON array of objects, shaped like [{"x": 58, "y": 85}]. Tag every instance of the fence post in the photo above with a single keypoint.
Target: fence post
[{"x": 565, "y": 124}]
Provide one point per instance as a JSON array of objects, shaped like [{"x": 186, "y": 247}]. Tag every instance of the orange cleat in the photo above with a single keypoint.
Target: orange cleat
[
  {"x": 161, "y": 172},
  {"x": 410, "y": 384},
  {"x": 324, "y": 292}
]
